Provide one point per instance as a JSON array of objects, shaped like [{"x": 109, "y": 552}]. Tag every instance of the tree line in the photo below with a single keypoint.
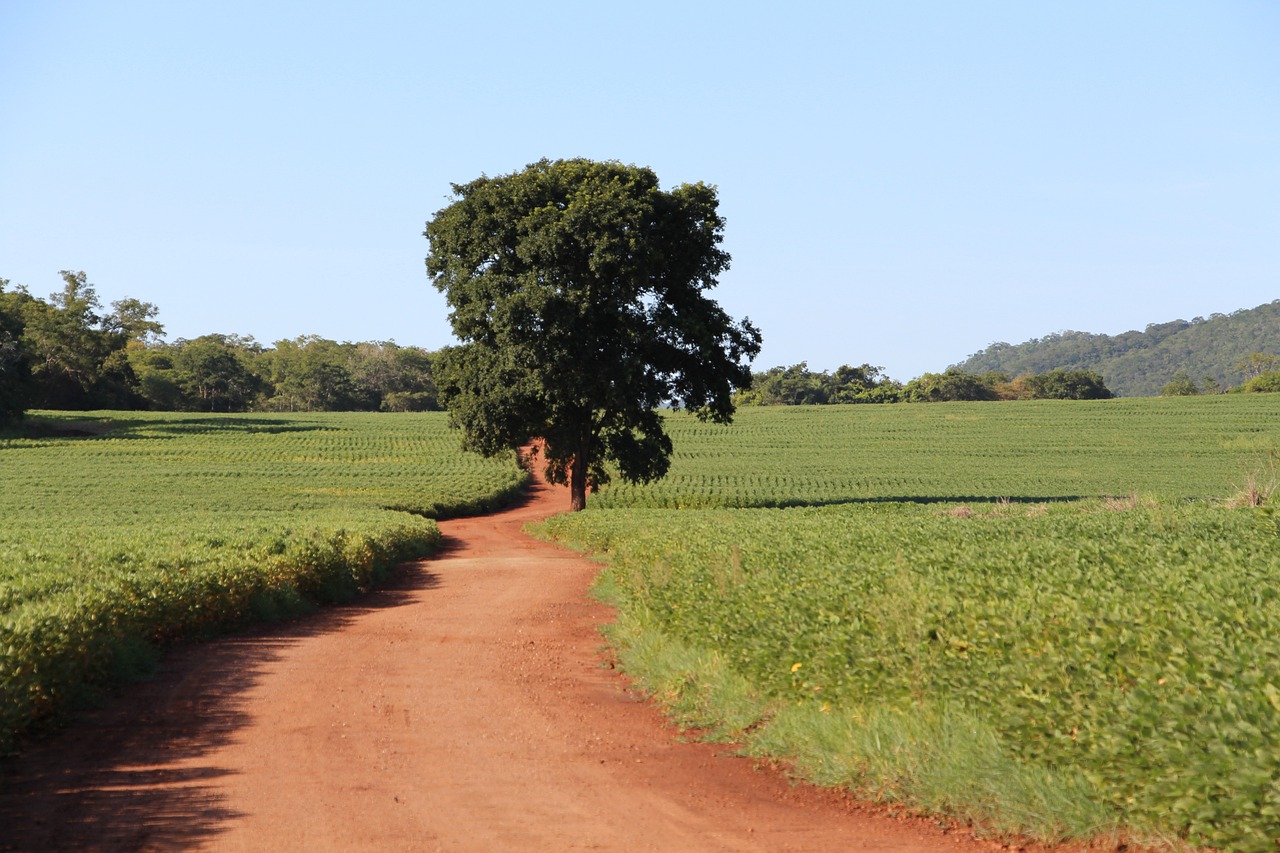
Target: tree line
[
  {"x": 798, "y": 385},
  {"x": 69, "y": 352}
]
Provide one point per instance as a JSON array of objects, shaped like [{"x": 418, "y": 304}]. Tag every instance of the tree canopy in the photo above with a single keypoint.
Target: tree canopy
[
  {"x": 797, "y": 385},
  {"x": 75, "y": 355},
  {"x": 15, "y": 362},
  {"x": 579, "y": 292},
  {"x": 1067, "y": 385},
  {"x": 951, "y": 385},
  {"x": 67, "y": 352},
  {"x": 230, "y": 373}
]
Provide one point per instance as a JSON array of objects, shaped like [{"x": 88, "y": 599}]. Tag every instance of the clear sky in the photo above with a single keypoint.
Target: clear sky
[{"x": 904, "y": 182}]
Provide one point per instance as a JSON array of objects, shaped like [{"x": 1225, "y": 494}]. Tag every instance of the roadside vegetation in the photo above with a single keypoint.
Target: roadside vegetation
[
  {"x": 1058, "y": 619},
  {"x": 124, "y": 532}
]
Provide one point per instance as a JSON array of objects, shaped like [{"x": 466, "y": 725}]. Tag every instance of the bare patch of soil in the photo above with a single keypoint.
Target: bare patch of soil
[{"x": 466, "y": 706}]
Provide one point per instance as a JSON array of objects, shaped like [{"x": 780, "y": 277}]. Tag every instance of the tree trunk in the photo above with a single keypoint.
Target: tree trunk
[{"x": 578, "y": 481}]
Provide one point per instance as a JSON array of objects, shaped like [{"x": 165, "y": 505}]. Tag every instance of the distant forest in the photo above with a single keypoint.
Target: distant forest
[
  {"x": 1213, "y": 354},
  {"x": 69, "y": 352}
]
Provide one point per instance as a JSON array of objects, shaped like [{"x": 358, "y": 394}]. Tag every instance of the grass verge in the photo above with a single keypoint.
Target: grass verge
[{"x": 933, "y": 760}]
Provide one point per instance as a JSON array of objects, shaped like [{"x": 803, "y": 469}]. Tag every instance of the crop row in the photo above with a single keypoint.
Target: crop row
[{"x": 1035, "y": 450}]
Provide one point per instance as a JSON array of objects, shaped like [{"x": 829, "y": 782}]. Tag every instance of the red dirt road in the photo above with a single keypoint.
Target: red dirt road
[{"x": 464, "y": 707}]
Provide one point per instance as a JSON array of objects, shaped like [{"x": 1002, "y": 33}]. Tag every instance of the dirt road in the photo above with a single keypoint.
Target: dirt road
[{"x": 464, "y": 707}]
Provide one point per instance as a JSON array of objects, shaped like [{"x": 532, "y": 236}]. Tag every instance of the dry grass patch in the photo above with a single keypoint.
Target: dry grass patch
[
  {"x": 1258, "y": 488},
  {"x": 1002, "y": 508}
]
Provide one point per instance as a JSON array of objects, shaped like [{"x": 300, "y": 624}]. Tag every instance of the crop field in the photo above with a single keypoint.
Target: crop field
[
  {"x": 1070, "y": 580},
  {"x": 1046, "y": 449},
  {"x": 150, "y": 527}
]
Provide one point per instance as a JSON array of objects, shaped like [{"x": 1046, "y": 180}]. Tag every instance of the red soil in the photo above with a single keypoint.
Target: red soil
[{"x": 467, "y": 705}]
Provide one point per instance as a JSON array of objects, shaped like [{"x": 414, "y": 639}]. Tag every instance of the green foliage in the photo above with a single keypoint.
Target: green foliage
[
  {"x": 1181, "y": 385},
  {"x": 307, "y": 374},
  {"x": 397, "y": 378},
  {"x": 579, "y": 291},
  {"x": 65, "y": 353},
  {"x": 124, "y": 530},
  {"x": 15, "y": 361},
  {"x": 1138, "y": 364},
  {"x": 77, "y": 358},
  {"x": 215, "y": 373},
  {"x": 1067, "y": 385},
  {"x": 1257, "y": 363},
  {"x": 133, "y": 321},
  {"x": 954, "y": 385},
  {"x": 797, "y": 385},
  {"x": 310, "y": 374},
  {"x": 1263, "y": 383},
  {"x": 1131, "y": 643}
]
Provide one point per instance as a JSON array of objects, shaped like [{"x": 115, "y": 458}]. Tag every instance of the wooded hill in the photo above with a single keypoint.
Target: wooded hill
[{"x": 1140, "y": 364}]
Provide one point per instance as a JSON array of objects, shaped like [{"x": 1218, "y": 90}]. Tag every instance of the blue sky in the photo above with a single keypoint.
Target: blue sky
[{"x": 903, "y": 182}]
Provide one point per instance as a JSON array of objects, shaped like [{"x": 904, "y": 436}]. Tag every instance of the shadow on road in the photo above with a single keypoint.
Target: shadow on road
[{"x": 135, "y": 774}]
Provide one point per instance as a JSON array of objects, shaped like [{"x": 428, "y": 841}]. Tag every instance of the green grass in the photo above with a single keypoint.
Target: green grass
[
  {"x": 144, "y": 529},
  {"x": 1046, "y": 665},
  {"x": 939, "y": 760}
]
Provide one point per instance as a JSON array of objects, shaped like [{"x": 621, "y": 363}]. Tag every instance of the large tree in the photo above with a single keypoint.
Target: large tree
[
  {"x": 579, "y": 292},
  {"x": 15, "y": 361},
  {"x": 214, "y": 374},
  {"x": 78, "y": 356}
]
